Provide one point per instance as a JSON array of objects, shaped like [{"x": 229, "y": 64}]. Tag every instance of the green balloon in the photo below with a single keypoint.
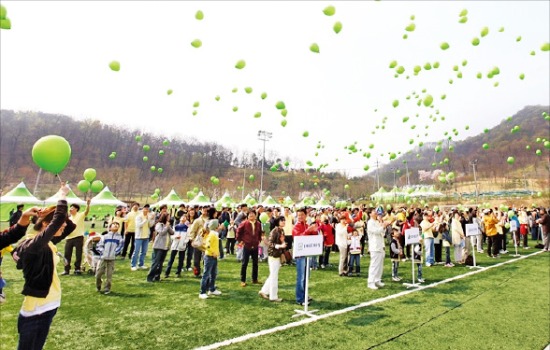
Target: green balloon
[
  {"x": 284, "y": 112},
  {"x": 438, "y": 148},
  {"x": 3, "y": 12},
  {"x": 546, "y": 144},
  {"x": 411, "y": 27},
  {"x": 217, "y": 98},
  {"x": 393, "y": 156},
  {"x": 235, "y": 109},
  {"x": 475, "y": 41},
  {"x": 538, "y": 152},
  {"x": 166, "y": 142},
  {"x": 240, "y": 64},
  {"x": 251, "y": 178},
  {"x": 169, "y": 92},
  {"x": 196, "y": 43},
  {"x": 283, "y": 122},
  {"x": 153, "y": 168},
  {"x": 545, "y": 47},
  {"x": 96, "y": 186},
  {"x": 83, "y": 185},
  {"x": 463, "y": 13},
  {"x": 115, "y": 66},
  {"x": 329, "y": 10},
  {"x": 366, "y": 168},
  {"x": 463, "y": 19},
  {"x": 314, "y": 48},
  {"x": 400, "y": 70},
  {"x": 248, "y": 90},
  {"x": 51, "y": 153},
  {"x": 196, "y": 104},
  {"x": 145, "y": 158},
  {"x": 393, "y": 64},
  {"x": 263, "y": 96},
  {"x": 146, "y": 148},
  {"x": 199, "y": 15},
  {"x": 112, "y": 156},
  {"x": 444, "y": 46},
  {"x": 160, "y": 170},
  {"x": 484, "y": 31},
  {"x": 522, "y": 76},
  {"x": 485, "y": 146},
  {"x": 436, "y": 65},
  {"x": 280, "y": 105},
  {"x": 138, "y": 138},
  {"x": 195, "y": 112},
  {"x": 257, "y": 115},
  {"x": 305, "y": 134},
  {"x": 346, "y": 186},
  {"x": 428, "y": 99},
  {"x": 161, "y": 153},
  {"x": 395, "y": 103},
  {"x": 511, "y": 160},
  {"x": 337, "y": 27}
]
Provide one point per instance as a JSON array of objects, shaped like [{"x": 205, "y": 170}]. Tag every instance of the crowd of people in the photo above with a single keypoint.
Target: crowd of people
[{"x": 200, "y": 236}]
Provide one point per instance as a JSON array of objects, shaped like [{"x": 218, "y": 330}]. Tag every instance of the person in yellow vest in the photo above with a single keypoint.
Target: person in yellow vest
[
  {"x": 37, "y": 258},
  {"x": 130, "y": 231},
  {"x": 76, "y": 239},
  {"x": 490, "y": 221}
]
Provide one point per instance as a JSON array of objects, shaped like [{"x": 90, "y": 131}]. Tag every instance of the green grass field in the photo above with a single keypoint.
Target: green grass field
[{"x": 506, "y": 307}]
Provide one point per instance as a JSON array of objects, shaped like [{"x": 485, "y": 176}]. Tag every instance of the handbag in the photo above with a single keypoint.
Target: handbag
[{"x": 198, "y": 242}]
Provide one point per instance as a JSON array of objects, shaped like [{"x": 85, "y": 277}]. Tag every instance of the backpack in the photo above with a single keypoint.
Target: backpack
[{"x": 198, "y": 242}]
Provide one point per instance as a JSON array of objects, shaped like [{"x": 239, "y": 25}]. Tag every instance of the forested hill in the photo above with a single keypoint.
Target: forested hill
[{"x": 501, "y": 142}]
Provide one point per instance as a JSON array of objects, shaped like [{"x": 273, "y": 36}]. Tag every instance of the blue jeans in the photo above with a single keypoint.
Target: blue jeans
[
  {"x": 34, "y": 330},
  {"x": 141, "y": 250},
  {"x": 156, "y": 265},
  {"x": 419, "y": 266},
  {"x": 430, "y": 250},
  {"x": 300, "y": 279},
  {"x": 208, "y": 282},
  {"x": 354, "y": 261}
]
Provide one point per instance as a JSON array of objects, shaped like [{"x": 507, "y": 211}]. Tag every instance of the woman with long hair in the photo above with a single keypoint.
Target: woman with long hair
[
  {"x": 37, "y": 257},
  {"x": 276, "y": 245}
]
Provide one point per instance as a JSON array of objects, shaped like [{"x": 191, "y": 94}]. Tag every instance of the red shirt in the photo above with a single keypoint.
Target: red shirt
[
  {"x": 301, "y": 229},
  {"x": 326, "y": 229}
]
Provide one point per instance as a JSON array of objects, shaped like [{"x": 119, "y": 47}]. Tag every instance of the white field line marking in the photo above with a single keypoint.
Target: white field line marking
[{"x": 315, "y": 318}]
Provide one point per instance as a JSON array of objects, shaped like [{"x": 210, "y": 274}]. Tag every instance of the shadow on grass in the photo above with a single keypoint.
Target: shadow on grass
[
  {"x": 127, "y": 295},
  {"x": 374, "y": 315},
  {"x": 448, "y": 303}
]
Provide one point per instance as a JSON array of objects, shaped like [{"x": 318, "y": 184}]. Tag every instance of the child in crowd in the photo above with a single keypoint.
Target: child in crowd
[
  {"x": 355, "y": 253},
  {"x": 395, "y": 254},
  {"x": 180, "y": 238},
  {"x": 230, "y": 243},
  {"x": 417, "y": 259},
  {"x": 446, "y": 241},
  {"x": 93, "y": 256},
  {"x": 328, "y": 241},
  {"x": 211, "y": 253},
  {"x": 8, "y": 249},
  {"x": 109, "y": 246}
]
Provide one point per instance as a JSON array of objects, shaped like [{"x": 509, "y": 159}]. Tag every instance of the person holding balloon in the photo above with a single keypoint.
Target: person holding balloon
[{"x": 37, "y": 257}]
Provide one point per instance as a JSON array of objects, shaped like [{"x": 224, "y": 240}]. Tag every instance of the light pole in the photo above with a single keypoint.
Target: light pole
[
  {"x": 407, "y": 169},
  {"x": 473, "y": 164},
  {"x": 263, "y": 136}
]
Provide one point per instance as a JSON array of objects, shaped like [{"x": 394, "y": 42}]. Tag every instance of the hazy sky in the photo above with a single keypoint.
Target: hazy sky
[{"x": 55, "y": 59}]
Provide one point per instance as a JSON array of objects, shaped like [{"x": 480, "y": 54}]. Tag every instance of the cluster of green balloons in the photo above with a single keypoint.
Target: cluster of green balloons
[
  {"x": 214, "y": 180},
  {"x": 89, "y": 182}
]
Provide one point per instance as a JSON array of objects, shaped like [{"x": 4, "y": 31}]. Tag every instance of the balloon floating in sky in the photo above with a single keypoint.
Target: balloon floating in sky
[
  {"x": 89, "y": 174},
  {"x": 428, "y": 99},
  {"x": 145, "y": 158},
  {"x": 444, "y": 46},
  {"x": 510, "y": 160},
  {"x": 395, "y": 103},
  {"x": 545, "y": 47},
  {"x": 169, "y": 92},
  {"x": 217, "y": 98},
  {"x": 393, "y": 64},
  {"x": 138, "y": 138},
  {"x": 305, "y": 134},
  {"x": 115, "y": 66},
  {"x": 235, "y": 109},
  {"x": 283, "y": 123},
  {"x": 153, "y": 168},
  {"x": 314, "y": 48},
  {"x": 5, "y": 22},
  {"x": 248, "y": 90},
  {"x": 51, "y": 153},
  {"x": 337, "y": 27},
  {"x": 518, "y": 39},
  {"x": 196, "y": 104},
  {"x": 251, "y": 178},
  {"x": 329, "y": 10},
  {"x": 146, "y": 148},
  {"x": 522, "y": 76},
  {"x": 196, "y": 43},
  {"x": 485, "y": 146},
  {"x": 199, "y": 15},
  {"x": 257, "y": 115},
  {"x": 240, "y": 64},
  {"x": 475, "y": 41},
  {"x": 263, "y": 95},
  {"x": 411, "y": 27},
  {"x": 484, "y": 31},
  {"x": 161, "y": 152},
  {"x": 166, "y": 142},
  {"x": 280, "y": 105},
  {"x": 538, "y": 152},
  {"x": 463, "y": 13},
  {"x": 400, "y": 70},
  {"x": 463, "y": 19}
]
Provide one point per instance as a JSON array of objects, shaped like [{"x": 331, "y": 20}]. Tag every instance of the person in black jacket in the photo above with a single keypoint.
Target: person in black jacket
[
  {"x": 37, "y": 258},
  {"x": 16, "y": 215}
]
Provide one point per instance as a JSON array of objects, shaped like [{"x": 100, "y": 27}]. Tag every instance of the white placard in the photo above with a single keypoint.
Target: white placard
[
  {"x": 307, "y": 246},
  {"x": 472, "y": 230},
  {"x": 513, "y": 225},
  {"x": 412, "y": 236}
]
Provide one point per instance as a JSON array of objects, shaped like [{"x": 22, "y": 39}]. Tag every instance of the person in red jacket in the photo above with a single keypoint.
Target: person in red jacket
[
  {"x": 328, "y": 241},
  {"x": 302, "y": 229},
  {"x": 249, "y": 233}
]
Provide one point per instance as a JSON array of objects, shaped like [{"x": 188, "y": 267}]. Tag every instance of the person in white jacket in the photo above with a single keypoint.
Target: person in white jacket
[
  {"x": 341, "y": 240},
  {"x": 376, "y": 229},
  {"x": 144, "y": 221},
  {"x": 109, "y": 246}
]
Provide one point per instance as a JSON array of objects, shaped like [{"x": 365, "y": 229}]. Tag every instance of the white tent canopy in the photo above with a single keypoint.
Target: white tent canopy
[
  {"x": 20, "y": 194},
  {"x": 105, "y": 197},
  {"x": 71, "y": 198},
  {"x": 171, "y": 199}
]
